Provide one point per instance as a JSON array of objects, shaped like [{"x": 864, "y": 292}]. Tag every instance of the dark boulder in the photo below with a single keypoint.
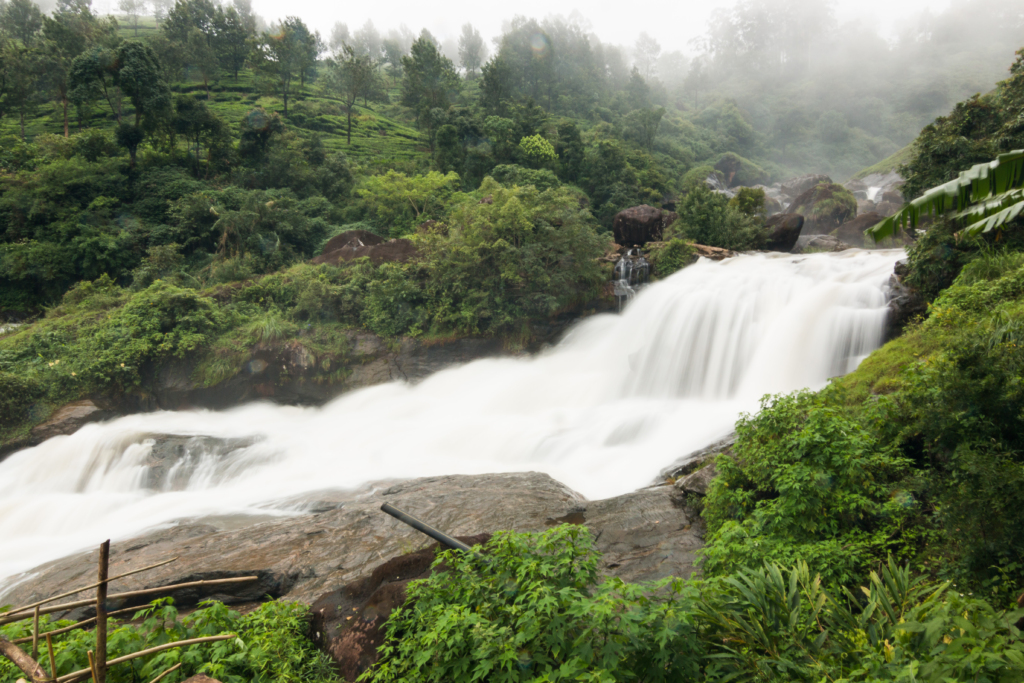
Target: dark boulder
[
  {"x": 888, "y": 208},
  {"x": 852, "y": 231},
  {"x": 348, "y": 623},
  {"x": 641, "y": 224},
  {"x": 783, "y": 231},
  {"x": 697, "y": 482},
  {"x": 824, "y": 207},
  {"x": 352, "y": 239},
  {"x": 794, "y": 187},
  {"x": 398, "y": 250},
  {"x": 810, "y": 244}
]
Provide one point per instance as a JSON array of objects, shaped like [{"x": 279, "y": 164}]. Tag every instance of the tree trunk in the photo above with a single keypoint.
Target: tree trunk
[{"x": 349, "y": 124}]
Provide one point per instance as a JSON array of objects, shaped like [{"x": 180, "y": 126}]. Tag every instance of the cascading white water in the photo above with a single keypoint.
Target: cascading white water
[{"x": 622, "y": 397}]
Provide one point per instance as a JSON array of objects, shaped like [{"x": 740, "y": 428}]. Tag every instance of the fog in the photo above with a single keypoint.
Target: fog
[{"x": 673, "y": 24}]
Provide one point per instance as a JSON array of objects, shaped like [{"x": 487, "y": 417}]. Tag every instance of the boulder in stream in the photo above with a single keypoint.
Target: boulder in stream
[
  {"x": 783, "y": 231},
  {"x": 644, "y": 535}
]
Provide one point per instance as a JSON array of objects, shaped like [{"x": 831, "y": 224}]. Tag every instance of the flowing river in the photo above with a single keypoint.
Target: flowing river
[{"x": 619, "y": 399}]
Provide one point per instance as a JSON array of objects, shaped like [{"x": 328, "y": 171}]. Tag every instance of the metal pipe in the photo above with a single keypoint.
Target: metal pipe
[{"x": 418, "y": 525}]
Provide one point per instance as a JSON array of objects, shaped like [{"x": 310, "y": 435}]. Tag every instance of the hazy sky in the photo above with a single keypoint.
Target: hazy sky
[{"x": 671, "y": 22}]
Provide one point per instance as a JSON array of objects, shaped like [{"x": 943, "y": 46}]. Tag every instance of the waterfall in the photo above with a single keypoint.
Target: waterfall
[{"x": 620, "y": 398}]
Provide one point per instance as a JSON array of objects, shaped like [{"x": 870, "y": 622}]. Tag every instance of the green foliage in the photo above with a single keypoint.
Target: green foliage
[
  {"x": 400, "y": 202},
  {"x": 537, "y": 150},
  {"x": 527, "y": 254},
  {"x": 270, "y": 647},
  {"x": 17, "y": 394},
  {"x": 806, "y": 483},
  {"x": 705, "y": 217},
  {"x": 762, "y": 625},
  {"x": 749, "y": 201},
  {"x": 531, "y": 609},
  {"x": 668, "y": 257}
]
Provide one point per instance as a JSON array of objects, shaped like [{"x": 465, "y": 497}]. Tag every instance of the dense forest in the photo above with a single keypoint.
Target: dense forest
[{"x": 165, "y": 181}]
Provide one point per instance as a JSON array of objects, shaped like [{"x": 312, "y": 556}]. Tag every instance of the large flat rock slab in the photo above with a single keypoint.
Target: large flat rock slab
[{"x": 645, "y": 535}]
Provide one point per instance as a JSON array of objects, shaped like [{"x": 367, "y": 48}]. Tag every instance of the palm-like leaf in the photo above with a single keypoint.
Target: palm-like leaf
[{"x": 986, "y": 196}]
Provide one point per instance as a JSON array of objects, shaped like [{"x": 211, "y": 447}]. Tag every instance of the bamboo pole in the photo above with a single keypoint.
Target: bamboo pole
[
  {"x": 21, "y": 660},
  {"x": 173, "y": 668},
  {"x": 101, "y": 613},
  {"x": 150, "y": 651},
  {"x": 53, "y": 662},
  {"x": 92, "y": 666},
  {"x": 130, "y": 594},
  {"x": 72, "y": 627},
  {"x": 26, "y": 608},
  {"x": 35, "y": 635}
]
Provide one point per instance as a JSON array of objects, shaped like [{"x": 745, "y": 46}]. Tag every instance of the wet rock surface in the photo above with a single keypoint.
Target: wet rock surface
[
  {"x": 808, "y": 244},
  {"x": 67, "y": 419},
  {"x": 852, "y": 231},
  {"x": 783, "y": 231},
  {"x": 644, "y": 535},
  {"x": 640, "y": 224}
]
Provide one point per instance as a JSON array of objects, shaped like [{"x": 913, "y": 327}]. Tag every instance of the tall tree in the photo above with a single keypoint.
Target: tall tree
[
  {"x": 200, "y": 126},
  {"x": 350, "y": 77},
  {"x": 340, "y": 37},
  {"x": 132, "y": 10},
  {"x": 23, "y": 19},
  {"x": 430, "y": 80},
  {"x": 250, "y": 20},
  {"x": 646, "y": 52},
  {"x": 66, "y": 35},
  {"x": 366, "y": 41},
  {"x": 160, "y": 10},
  {"x": 201, "y": 58},
  {"x": 283, "y": 57},
  {"x": 472, "y": 50},
  {"x": 141, "y": 79},
  {"x": 393, "y": 54},
  {"x": 189, "y": 15},
  {"x": 234, "y": 41},
  {"x": 22, "y": 72}
]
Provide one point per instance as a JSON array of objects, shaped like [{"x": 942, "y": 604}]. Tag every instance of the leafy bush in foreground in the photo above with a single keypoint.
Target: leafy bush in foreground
[
  {"x": 271, "y": 646},
  {"x": 532, "y": 610}
]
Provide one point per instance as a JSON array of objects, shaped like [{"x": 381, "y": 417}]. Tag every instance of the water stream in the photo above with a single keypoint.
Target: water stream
[{"x": 620, "y": 398}]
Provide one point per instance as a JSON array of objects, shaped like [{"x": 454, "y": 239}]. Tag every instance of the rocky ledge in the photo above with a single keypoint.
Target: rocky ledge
[{"x": 644, "y": 535}]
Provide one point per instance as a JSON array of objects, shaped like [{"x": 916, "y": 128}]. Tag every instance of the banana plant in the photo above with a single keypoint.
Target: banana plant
[{"x": 984, "y": 197}]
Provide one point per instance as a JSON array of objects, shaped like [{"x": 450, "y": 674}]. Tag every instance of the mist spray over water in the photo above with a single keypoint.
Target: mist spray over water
[{"x": 621, "y": 398}]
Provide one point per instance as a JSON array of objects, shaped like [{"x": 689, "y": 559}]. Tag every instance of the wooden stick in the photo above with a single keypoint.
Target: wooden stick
[
  {"x": 150, "y": 651},
  {"x": 101, "y": 613},
  {"x": 35, "y": 635},
  {"x": 92, "y": 666},
  {"x": 26, "y": 608},
  {"x": 130, "y": 594},
  {"x": 22, "y": 661},
  {"x": 53, "y": 662},
  {"x": 84, "y": 622},
  {"x": 173, "y": 668}
]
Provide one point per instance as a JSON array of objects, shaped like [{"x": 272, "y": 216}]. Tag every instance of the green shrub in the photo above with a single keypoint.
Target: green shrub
[
  {"x": 668, "y": 257},
  {"x": 531, "y": 609},
  {"x": 271, "y": 646},
  {"x": 17, "y": 394},
  {"x": 705, "y": 217},
  {"x": 770, "y": 624},
  {"x": 807, "y": 483}
]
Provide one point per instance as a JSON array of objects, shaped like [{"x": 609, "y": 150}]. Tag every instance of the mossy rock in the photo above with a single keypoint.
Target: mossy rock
[{"x": 825, "y": 207}]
